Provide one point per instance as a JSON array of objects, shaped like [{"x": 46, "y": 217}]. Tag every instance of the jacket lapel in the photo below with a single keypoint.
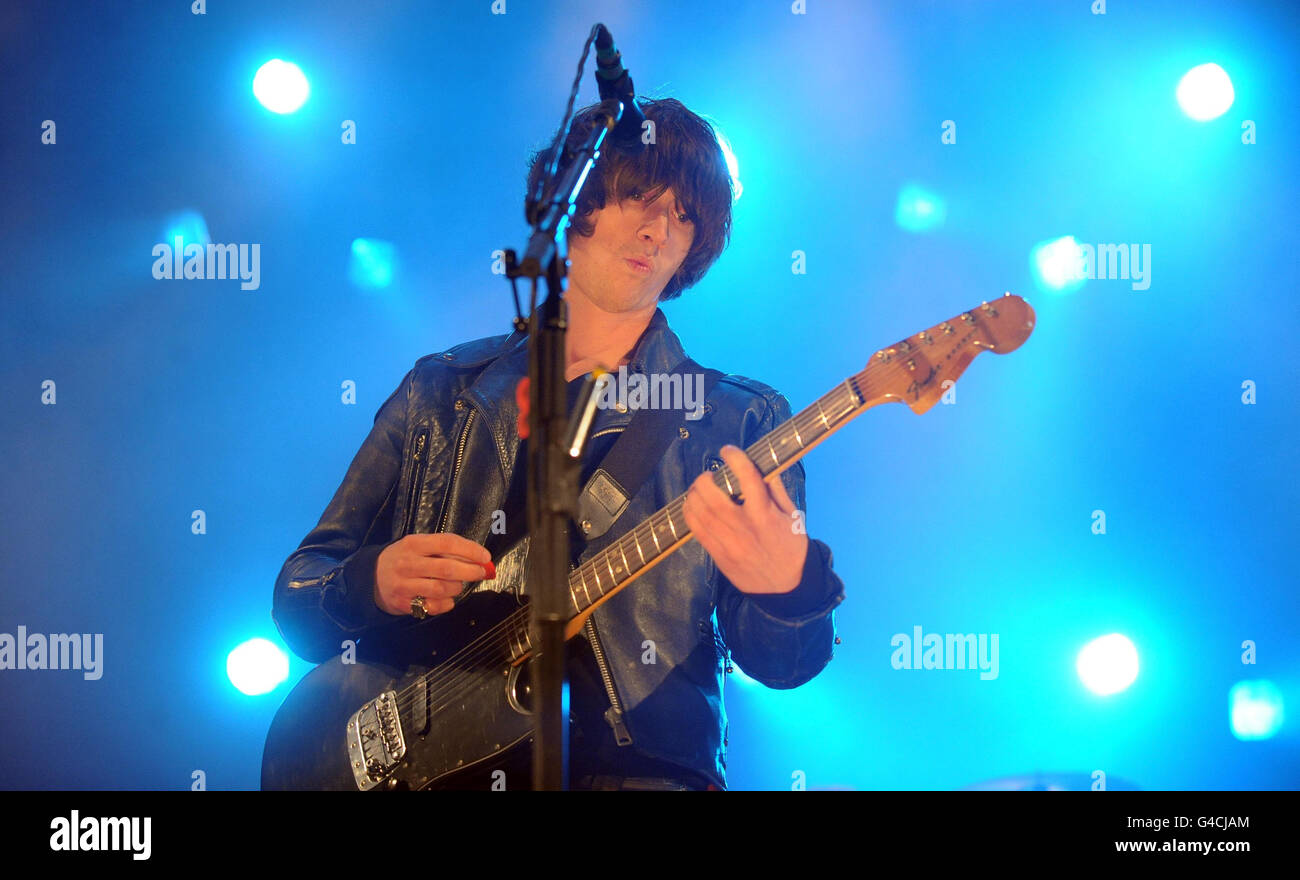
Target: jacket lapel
[{"x": 492, "y": 393}]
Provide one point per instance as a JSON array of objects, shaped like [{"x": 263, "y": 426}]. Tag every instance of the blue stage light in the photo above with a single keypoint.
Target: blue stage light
[
  {"x": 1255, "y": 709},
  {"x": 372, "y": 264},
  {"x": 188, "y": 226},
  {"x": 280, "y": 86},
  {"x": 1057, "y": 264},
  {"x": 919, "y": 210},
  {"x": 257, "y": 667},
  {"x": 1108, "y": 665},
  {"x": 733, "y": 166},
  {"x": 1205, "y": 92}
]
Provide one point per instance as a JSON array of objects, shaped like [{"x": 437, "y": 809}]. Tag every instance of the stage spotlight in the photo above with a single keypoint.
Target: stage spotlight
[
  {"x": 1255, "y": 709},
  {"x": 257, "y": 667},
  {"x": 1057, "y": 264},
  {"x": 1108, "y": 664},
  {"x": 188, "y": 226},
  {"x": 919, "y": 210},
  {"x": 1205, "y": 92},
  {"x": 372, "y": 263},
  {"x": 733, "y": 166},
  {"x": 280, "y": 86}
]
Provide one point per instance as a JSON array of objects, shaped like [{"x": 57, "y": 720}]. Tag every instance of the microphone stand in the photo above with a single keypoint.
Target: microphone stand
[{"x": 552, "y": 470}]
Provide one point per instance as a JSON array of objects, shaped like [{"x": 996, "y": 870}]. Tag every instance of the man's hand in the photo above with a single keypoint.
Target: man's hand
[
  {"x": 433, "y": 566},
  {"x": 754, "y": 544}
]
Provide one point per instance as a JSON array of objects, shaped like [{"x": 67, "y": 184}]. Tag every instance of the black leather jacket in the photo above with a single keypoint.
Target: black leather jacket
[{"x": 457, "y": 409}]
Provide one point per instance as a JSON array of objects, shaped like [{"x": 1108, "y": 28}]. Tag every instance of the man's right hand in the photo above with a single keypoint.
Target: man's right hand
[{"x": 433, "y": 566}]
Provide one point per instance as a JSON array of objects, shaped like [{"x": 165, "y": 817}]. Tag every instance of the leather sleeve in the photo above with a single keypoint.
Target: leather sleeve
[
  {"x": 785, "y": 640},
  {"x": 324, "y": 593}
]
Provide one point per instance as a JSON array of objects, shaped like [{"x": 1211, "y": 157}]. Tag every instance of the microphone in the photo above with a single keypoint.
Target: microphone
[{"x": 614, "y": 82}]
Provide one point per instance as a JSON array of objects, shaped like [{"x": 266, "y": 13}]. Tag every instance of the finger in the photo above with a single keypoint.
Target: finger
[
  {"x": 448, "y": 544},
  {"x": 447, "y": 589},
  {"x": 780, "y": 496},
  {"x": 447, "y": 568},
  {"x": 432, "y": 604},
  {"x": 727, "y": 519},
  {"x": 405, "y": 593},
  {"x": 709, "y": 524},
  {"x": 751, "y": 481},
  {"x": 712, "y": 495},
  {"x": 432, "y": 588},
  {"x": 705, "y": 529}
]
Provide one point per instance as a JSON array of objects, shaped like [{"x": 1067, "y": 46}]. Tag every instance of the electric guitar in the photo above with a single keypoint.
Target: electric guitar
[{"x": 371, "y": 726}]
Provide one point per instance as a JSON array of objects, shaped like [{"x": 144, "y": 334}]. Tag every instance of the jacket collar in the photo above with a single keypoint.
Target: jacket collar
[{"x": 493, "y": 391}]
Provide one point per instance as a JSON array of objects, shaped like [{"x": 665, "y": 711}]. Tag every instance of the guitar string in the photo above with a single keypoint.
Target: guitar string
[{"x": 442, "y": 683}]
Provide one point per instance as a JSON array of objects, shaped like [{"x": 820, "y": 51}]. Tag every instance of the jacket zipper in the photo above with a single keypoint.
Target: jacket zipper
[
  {"x": 455, "y": 466},
  {"x": 614, "y": 714},
  {"x": 413, "y": 495}
]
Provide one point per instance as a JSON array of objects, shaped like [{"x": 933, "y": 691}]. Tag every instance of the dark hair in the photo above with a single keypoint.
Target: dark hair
[{"x": 685, "y": 155}]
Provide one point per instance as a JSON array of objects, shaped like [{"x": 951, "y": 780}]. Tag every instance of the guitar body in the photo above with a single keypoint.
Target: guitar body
[{"x": 459, "y": 719}]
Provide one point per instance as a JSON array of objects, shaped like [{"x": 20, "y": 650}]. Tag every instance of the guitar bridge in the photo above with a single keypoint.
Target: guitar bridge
[{"x": 375, "y": 741}]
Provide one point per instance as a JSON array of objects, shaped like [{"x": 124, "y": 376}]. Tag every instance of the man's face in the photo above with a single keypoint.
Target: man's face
[{"x": 634, "y": 231}]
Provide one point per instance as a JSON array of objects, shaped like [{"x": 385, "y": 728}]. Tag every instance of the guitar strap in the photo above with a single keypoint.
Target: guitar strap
[{"x": 633, "y": 456}]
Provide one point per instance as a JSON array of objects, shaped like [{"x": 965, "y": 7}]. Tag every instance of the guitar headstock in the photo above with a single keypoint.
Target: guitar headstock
[{"x": 919, "y": 369}]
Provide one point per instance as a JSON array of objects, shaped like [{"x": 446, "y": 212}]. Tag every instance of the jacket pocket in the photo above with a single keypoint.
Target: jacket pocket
[{"x": 420, "y": 462}]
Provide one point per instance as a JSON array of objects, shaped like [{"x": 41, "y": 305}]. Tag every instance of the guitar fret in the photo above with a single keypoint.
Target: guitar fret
[
  {"x": 613, "y": 577},
  {"x": 775, "y": 460},
  {"x": 655, "y": 534},
  {"x": 822, "y": 412},
  {"x": 582, "y": 570},
  {"x": 626, "y": 568},
  {"x": 637, "y": 541},
  {"x": 672, "y": 527},
  {"x": 797, "y": 438}
]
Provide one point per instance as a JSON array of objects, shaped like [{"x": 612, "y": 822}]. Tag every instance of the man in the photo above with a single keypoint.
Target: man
[{"x": 419, "y": 513}]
